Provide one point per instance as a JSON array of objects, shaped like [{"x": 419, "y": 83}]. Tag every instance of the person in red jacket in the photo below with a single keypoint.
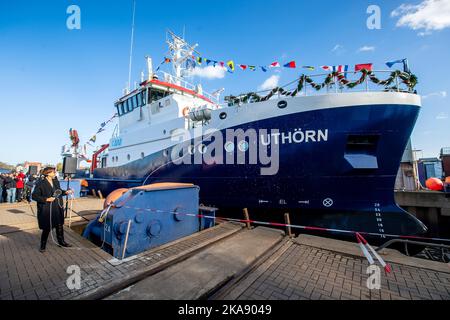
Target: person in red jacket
[{"x": 20, "y": 180}]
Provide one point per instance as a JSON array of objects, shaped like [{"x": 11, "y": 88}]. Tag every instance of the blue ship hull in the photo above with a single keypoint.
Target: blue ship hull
[{"x": 333, "y": 183}]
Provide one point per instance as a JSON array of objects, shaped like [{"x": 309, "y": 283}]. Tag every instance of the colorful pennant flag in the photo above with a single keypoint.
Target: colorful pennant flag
[
  {"x": 367, "y": 66},
  {"x": 230, "y": 65},
  {"x": 190, "y": 64},
  {"x": 290, "y": 65},
  {"x": 404, "y": 61},
  {"x": 341, "y": 69}
]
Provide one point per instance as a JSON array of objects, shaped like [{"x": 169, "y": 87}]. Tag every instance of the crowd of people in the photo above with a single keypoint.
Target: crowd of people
[
  {"x": 16, "y": 186},
  {"x": 46, "y": 191}
]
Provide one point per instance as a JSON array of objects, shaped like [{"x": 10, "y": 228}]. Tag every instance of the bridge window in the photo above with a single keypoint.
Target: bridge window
[
  {"x": 139, "y": 100},
  {"x": 130, "y": 105},
  {"x": 134, "y": 102},
  {"x": 156, "y": 95}
]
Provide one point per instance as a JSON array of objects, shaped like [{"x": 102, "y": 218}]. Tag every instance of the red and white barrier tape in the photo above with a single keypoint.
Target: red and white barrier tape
[
  {"x": 277, "y": 224},
  {"x": 364, "y": 250},
  {"x": 363, "y": 244}
]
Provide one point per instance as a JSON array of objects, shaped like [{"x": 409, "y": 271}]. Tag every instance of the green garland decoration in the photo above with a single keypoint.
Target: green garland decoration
[{"x": 409, "y": 79}]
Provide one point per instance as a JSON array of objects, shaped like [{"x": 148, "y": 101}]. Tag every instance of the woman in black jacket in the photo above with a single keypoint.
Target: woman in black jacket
[{"x": 48, "y": 195}]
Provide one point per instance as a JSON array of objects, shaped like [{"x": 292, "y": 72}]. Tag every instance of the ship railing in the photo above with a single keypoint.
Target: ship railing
[
  {"x": 320, "y": 87},
  {"x": 167, "y": 77}
]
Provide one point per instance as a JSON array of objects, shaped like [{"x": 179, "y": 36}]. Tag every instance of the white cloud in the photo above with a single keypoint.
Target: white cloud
[
  {"x": 338, "y": 48},
  {"x": 209, "y": 72},
  {"x": 441, "y": 94},
  {"x": 424, "y": 33},
  {"x": 429, "y": 15},
  {"x": 442, "y": 116},
  {"x": 366, "y": 48},
  {"x": 270, "y": 83}
]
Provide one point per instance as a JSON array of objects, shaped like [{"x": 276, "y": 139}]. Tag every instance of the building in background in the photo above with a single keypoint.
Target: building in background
[
  {"x": 35, "y": 166},
  {"x": 429, "y": 168},
  {"x": 406, "y": 178},
  {"x": 445, "y": 159}
]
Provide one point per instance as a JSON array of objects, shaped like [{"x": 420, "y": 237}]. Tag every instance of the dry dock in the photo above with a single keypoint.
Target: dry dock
[{"x": 224, "y": 262}]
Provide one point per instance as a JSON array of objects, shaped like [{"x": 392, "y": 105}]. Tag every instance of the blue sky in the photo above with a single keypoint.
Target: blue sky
[{"x": 53, "y": 78}]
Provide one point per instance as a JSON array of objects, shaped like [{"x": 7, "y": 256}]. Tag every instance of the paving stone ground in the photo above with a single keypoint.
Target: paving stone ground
[
  {"x": 25, "y": 273},
  {"x": 304, "y": 272}
]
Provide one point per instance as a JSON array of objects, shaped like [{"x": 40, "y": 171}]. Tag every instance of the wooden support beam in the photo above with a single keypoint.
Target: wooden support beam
[
  {"x": 247, "y": 218},
  {"x": 287, "y": 220}
]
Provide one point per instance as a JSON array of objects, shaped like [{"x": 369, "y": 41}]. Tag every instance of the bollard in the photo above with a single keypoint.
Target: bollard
[
  {"x": 100, "y": 194},
  {"x": 247, "y": 218},
  {"x": 287, "y": 220},
  {"x": 93, "y": 193}
]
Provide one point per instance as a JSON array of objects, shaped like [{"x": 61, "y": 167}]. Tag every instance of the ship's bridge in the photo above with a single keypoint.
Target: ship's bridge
[{"x": 157, "y": 102}]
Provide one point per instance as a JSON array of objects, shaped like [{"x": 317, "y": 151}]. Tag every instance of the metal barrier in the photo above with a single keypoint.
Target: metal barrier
[{"x": 420, "y": 243}]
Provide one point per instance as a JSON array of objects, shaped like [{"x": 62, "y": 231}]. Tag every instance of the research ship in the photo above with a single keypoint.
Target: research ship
[{"x": 328, "y": 157}]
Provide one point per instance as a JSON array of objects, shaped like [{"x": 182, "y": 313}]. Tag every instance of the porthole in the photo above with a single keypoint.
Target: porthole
[
  {"x": 165, "y": 153},
  {"x": 243, "y": 146},
  {"x": 128, "y": 157},
  {"x": 142, "y": 155},
  {"x": 191, "y": 149},
  {"x": 223, "y": 115},
  {"x": 282, "y": 104},
  {"x": 164, "y": 132},
  {"x": 229, "y": 147}
]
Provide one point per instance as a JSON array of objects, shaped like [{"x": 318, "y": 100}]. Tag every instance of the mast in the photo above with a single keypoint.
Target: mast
[
  {"x": 131, "y": 48},
  {"x": 180, "y": 51}
]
